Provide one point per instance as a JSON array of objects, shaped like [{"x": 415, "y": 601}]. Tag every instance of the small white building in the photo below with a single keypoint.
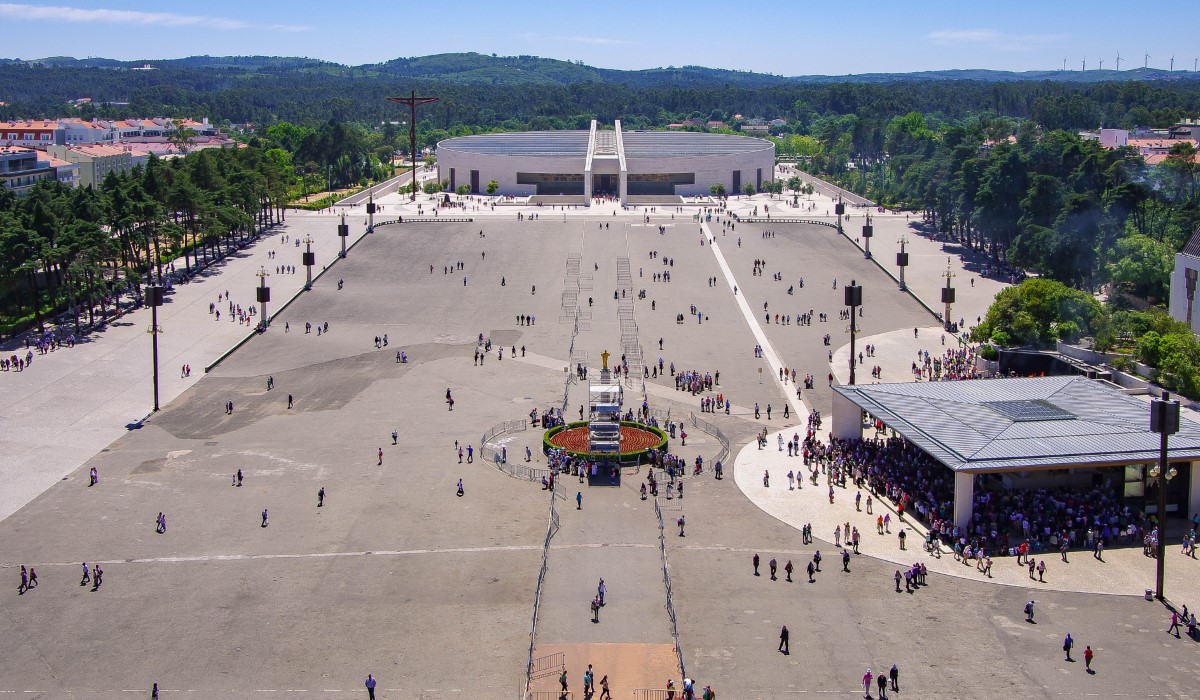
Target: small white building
[{"x": 1184, "y": 284}]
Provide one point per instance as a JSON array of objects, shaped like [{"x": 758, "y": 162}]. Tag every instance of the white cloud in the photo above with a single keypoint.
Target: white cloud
[
  {"x": 574, "y": 39},
  {"x": 19, "y": 11},
  {"x": 992, "y": 39}
]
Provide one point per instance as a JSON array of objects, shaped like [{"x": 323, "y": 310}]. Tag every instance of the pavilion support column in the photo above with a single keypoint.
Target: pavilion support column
[
  {"x": 1193, "y": 490},
  {"x": 847, "y": 419},
  {"x": 624, "y": 187},
  {"x": 964, "y": 498},
  {"x": 587, "y": 188}
]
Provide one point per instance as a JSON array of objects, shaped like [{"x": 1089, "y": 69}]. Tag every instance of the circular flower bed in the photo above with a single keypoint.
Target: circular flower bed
[{"x": 636, "y": 440}]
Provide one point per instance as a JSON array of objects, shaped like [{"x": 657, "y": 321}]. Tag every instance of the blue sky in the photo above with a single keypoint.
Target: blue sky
[{"x": 814, "y": 38}]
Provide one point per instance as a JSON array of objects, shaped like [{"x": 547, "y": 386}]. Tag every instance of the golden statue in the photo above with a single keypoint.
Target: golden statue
[{"x": 604, "y": 359}]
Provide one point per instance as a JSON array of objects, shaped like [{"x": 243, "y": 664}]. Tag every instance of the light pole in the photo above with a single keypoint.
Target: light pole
[
  {"x": 868, "y": 231},
  {"x": 308, "y": 259},
  {"x": 902, "y": 261},
  {"x": 263, "y": 295},
  {"x": 853, "y": 293},
  {"x": 839, "y": 209},
  {"x": 370, "y": 213},
  {"x": 1164, "y": 420},
  {"x": 947, "y": 294},
  {"x": 343, "y": 233},
  {"x": 154, "y": 299}
]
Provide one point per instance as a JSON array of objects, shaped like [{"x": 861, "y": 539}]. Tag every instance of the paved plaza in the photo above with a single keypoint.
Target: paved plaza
[{"x": 396, "y": 575}]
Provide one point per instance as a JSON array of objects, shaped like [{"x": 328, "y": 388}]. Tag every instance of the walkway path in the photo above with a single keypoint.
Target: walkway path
[{"x": 74, "y": 402}]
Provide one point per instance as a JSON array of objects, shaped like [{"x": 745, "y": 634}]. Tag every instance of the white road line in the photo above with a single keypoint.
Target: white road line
[
  {"x": 325, "y": 555},
  {"x": 769, "y": 353}
]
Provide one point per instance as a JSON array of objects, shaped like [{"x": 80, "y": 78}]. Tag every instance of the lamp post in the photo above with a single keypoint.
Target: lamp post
[
  {"x": 370, "y": 214},
  {"x": 343, "y": 233},
  {"x": 263, "y": 295},
  {"x": 853, "y": 292},
  {"x": 1164, "y": 420},
  {"x": 948, "y": 293},
  {"x": 154, "y": 299},
  {"x": 868, "y": 231},
  {"x": 308, "y": 259},
  {"x": 902, "y": 261},
  {"x": 839, "y": 209}
]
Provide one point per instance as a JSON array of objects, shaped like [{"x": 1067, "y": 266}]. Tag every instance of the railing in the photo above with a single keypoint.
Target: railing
[
  {"x": 549, "y": 695},
  {"x": 715, "y": 432},
  {"x": 655, "y": 693},
  {"x": 552, "y": 526},
  {"x": 780, "y": 220},
  {"x": 492, "y": 454},
  {"x": 662, "y": 547},
  {"x": 547, "y": 665}
]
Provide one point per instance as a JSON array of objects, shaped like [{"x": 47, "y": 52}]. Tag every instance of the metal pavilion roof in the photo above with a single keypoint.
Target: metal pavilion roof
[{"x": 987, "y": 425}]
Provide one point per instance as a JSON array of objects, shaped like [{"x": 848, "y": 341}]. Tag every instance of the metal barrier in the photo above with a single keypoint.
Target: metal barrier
[
  {"x": 549, "y": 695},
  {"x": 547, "y": 665},
  {"x": 552, "y": 526},
  {"x": 495, "y": 455},
  {"x": 662, "y": 548},
  {"x": 655, "y": 693},
  {"x": 780, "y": 220},
  {"x": 713, "y": 430}
]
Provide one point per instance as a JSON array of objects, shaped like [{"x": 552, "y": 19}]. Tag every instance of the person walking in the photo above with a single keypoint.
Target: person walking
[
  {"x": 846, "y": 560},
  {"x": 562, "y": 680},
  {"x": 370, "y": 687},
  {"x": 881, "y": 681},
  {"x": 604, "y": 688},
  {"x": 579, "y": 500},
  {"x": 1174, "y": 624},
  {"x": 87, "y": 577},
  {"x": 1068, "y": 643},
  {"x": 24, "y": 581},
  {"x": 1029, "y": 611},
  {"x": 596, "y": 609},
  {"x": 894, "y": 674},
  {"x": 811, "y": 569},
  {"x": 1041, "y": 571},
  {"x": 866, "y": 681},
  {"x": 601, "y": 591},
  {"x": 755, "y": 560},
  {"x": 897, "y": 576},
  {"x": 783, "y": 640},
  {"x": 1088, "y": 655},
  {"x": 321, "y": 497},
  {"x": 380, "y": 457},
  {"x": 773, "y": 566},
  {"x": 787, "y": 569},
  {"x": 289, "y": 401},
  {"x": 154, "y": 692},
  {"x": 264, "y": 518}
]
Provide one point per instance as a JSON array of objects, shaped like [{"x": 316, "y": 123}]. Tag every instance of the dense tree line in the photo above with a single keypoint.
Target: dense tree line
[
  {"x": 1047, "y": 201},
  {"x": 64, "y": 248},
  {"x": 311, "y": 95}
]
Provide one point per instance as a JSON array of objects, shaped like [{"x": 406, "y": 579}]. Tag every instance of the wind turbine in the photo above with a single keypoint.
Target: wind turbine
[
  {"x": 1172, "y": 69},
  {"x": 1147, "y": 63},
  {"x": 1064, "y": 64},
  {"x": 1118, "y": 60},
  {"x": 1102, "y": 64},
  {"x": 1085, "y": 65}
]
